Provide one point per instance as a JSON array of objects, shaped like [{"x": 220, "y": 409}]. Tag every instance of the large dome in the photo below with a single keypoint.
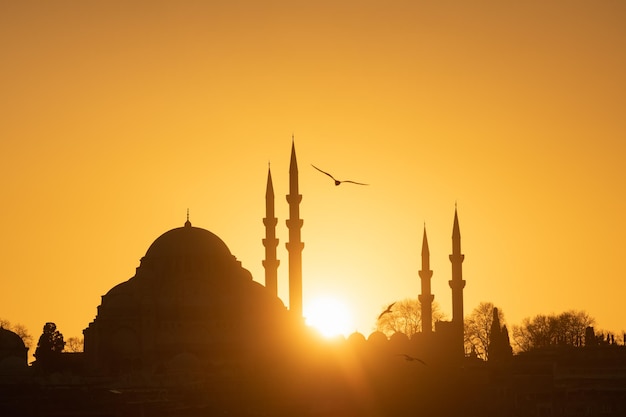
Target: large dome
[
  {"x": 187, "y": 244},
  {"x": 186, "y": 256}
]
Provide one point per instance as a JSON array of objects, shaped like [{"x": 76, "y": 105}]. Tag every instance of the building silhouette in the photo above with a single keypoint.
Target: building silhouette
[
  {"x": 189, "y": 303},
  {"x": 184, "y": 303},
  {"x": 192, "y": 334}
]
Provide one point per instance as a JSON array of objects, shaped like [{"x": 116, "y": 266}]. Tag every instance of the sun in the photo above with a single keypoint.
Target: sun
[{"x": 329, "y": 316}]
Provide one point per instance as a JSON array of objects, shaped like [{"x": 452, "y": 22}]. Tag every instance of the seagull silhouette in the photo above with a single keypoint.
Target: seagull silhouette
[
  {"x": 337, "y": 182},
  {"x": 411, "y": 358},
  {"x": 387, "y": 310}
]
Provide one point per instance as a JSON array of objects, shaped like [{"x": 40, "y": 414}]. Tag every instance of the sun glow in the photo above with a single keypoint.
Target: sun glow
[{"x": 329, "y": 316}]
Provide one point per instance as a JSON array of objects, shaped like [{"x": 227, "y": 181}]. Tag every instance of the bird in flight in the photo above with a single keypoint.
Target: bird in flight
[
  {"x": 411, "y": 358},
  {"x": 337, "y": 182},
  {"x": 387, "y": 310}
]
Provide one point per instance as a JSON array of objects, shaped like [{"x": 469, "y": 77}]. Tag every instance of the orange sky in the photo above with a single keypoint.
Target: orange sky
[{"x": 117, "y": 116}]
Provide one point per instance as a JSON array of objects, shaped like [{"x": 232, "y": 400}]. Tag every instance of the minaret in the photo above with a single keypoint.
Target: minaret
[
  {"x": 426, "y": 298},
  {"x": 270, "y": 242},
  {"x": 294, "y": 245},
  {"x": 457, "y": 283}
]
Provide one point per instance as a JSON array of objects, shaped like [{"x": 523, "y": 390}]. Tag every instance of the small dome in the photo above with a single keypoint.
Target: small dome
[
  {"x": 356, "y": 338},
  {"x": 10, "y": 340},
  {"x": 399, "y": 337},
  {"x": 377, "y": 337}
]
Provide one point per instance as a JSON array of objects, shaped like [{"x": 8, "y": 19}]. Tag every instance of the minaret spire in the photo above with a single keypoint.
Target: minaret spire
[
  {"x": 457, "y": 283},
  {"x": 270, "y": 242},
  {"x": 294, "y": 245},
  {"x": 426, "y": 298}
]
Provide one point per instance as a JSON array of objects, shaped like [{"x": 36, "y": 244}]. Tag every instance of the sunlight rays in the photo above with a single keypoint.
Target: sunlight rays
[{"x": 329, "y": 316}]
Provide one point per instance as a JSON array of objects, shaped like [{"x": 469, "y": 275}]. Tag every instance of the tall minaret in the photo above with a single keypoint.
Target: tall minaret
[
  {"x": 457, "y": 283},
  {"x": 295, "y": 245},
  {"x": 426, "y": 298},
  {"x": 270, "y": 242}
]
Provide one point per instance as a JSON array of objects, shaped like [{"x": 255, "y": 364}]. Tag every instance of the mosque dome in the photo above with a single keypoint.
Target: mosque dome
[
  {"x": 10, "y": 340},
  {"x": 13, "y": 351},
  {"x": 356, "y": 338},
  {"x": 185, "y": 244}
]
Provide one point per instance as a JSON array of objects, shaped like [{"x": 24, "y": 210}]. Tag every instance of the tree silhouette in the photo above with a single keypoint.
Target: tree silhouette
[
  {"x": 568, "y": 328},
  {"x": 478, "y": 328},
  {"x": 405, "y": 317},
  {"x": 49, "y": 347},
  {"x": 74, "y": 344}
]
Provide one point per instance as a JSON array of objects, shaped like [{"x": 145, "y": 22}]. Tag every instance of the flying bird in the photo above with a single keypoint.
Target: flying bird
[
  {"x": 411, "y": 358},
  {"x": 337, "y": 182},
  {"x": 387, "y": 310}
]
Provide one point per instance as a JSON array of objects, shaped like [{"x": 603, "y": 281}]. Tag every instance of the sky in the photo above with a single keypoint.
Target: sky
[{"x": 116, "y": 117}]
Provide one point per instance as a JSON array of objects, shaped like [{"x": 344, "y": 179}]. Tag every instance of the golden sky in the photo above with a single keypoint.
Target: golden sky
[{"x": 117, "y": 116}]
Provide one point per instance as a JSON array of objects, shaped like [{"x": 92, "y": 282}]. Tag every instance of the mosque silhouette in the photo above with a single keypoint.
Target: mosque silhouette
[
  {"x": 192, "y": 334},
  {"x": 192, "y": 330},
  {"x": 192, "y": 302}
]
